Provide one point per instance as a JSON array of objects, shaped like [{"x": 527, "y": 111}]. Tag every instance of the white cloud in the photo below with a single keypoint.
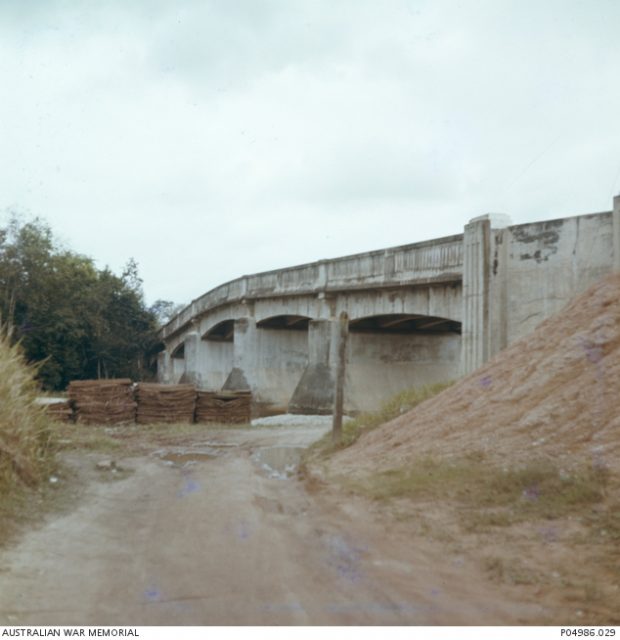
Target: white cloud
[{"x": 212, "y": 139}]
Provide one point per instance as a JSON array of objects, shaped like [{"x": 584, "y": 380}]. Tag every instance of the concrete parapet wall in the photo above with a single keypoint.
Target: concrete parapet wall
[{"x": 548, "y": 263}]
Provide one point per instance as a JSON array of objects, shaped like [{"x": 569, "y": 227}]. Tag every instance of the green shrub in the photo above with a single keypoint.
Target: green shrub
[{"x": 395, "y": 406}]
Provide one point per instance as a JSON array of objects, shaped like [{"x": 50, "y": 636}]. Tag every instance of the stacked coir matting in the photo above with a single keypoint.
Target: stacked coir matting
[
  {"x": 111, "y": 402},
  {"x": 165, "y": 402},
  {"x": 224, "y": 407},
  {"x": 60, "y": 411},
  {"x": 103, "y": 401}
]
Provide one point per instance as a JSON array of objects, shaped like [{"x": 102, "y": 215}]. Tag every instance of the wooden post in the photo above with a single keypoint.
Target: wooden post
[
  {"x": 343, "y": 333},
  {"x": 616, "y": 232}
]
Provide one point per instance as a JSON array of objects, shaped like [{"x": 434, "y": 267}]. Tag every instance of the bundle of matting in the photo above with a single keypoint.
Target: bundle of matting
[
  {"x": 103, "y": 401},
  {"x": 224, "y": 407},
  {"x": 165, "y": 402}
]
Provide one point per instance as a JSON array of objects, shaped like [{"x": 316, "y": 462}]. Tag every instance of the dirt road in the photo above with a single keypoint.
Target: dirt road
[{"x": 220, "y": 532}]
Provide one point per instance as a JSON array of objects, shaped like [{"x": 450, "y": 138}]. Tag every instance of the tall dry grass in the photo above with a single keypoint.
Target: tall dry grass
[{"x": 25, "y": 448}]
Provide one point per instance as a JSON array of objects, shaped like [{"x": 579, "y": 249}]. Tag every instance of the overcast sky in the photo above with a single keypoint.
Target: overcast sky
[{"x": 209, "y": 139}]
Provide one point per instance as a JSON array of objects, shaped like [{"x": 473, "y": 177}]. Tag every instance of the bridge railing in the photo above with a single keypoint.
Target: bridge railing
[{"x": 419, "y": 263}]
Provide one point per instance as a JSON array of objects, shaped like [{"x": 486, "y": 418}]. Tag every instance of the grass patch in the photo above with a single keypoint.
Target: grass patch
[
  {"x": 74, "y": 437},
  {"x": 396, "y": 406},
  {"x": 133, "y": 438},
  {"x": 488, "y": 496},
  {"x": 511, "y": 571},
  {"x": 606, "y": 523}
]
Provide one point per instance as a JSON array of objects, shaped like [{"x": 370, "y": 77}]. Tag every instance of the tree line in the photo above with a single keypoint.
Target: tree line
[{"x": 75, "y": 320}]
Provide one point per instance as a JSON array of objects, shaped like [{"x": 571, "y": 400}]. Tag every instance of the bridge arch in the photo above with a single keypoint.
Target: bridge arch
[
  {"x": 430, "y": 301},
  {"x": 398, "y": 351},
  {"x": 179, "y": 352},
  {"x": 223, "y": 331},
  {"x": 286, "y": 322},
  {"x": 403, "y": 323},
  {"x": 273, "y": 352}
]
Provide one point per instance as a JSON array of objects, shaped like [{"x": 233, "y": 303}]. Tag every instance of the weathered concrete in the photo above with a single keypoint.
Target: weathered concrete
[
  {"x": 192, "y": 373},
  {"x": 244, "y": 372},
  {"x": 279, "y": 359},
  {"x": 548, "y": 263},
  {"x": 163, "y": 367},
  {"x": 419, "y": 313},
  {"x": 315, "y": 391},
  {"x": 215, "y": 362},
  {"x": 438, "y": 261},
  {"x": 399, "y": 362}
]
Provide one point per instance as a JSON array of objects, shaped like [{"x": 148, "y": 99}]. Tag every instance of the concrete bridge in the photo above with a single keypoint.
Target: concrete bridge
[{"x": 419, "y": 313}]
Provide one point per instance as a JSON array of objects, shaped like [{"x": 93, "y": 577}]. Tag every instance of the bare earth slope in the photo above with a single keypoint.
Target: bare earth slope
[{"x": 553, "y": 394}]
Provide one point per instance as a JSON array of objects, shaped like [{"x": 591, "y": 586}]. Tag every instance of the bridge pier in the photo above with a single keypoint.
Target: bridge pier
[
  {"x": 192, "y": 355},
  {"x": 164, "y": 367},
  {"x": 243, "y": 374},
  {"x": 216, "y": 363},
  {"x": 315, "y": 391}
]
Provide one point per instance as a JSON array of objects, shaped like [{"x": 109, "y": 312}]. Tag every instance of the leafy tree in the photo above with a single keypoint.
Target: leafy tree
[
  {"x": 75, "y": 320},
  {"x": 164, "y": 310}
]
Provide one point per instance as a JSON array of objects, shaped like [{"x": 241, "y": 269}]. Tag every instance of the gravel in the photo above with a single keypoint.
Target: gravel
[{"x": 289, "y": 419}]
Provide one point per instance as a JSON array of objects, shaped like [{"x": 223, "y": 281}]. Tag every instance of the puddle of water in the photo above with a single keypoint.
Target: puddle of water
[
  {"x": 185, "y": 458},
  {"x": 279, "y": 462},
  {"x": 221, "y": 445}
]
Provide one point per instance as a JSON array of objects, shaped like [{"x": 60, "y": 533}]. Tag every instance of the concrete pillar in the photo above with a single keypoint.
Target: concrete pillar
[
  {"x": 482, "y": 287},
  {"x": 216, "y": 363},
  {"x": 616, "y": 227},
  {"x": 498, "y": 291},
  {"x": 315, "y": 392},
  {"x": 163, "y": 367},
  {"x": 192, "y": 370},
  {"x": 243, "y": 375}
]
